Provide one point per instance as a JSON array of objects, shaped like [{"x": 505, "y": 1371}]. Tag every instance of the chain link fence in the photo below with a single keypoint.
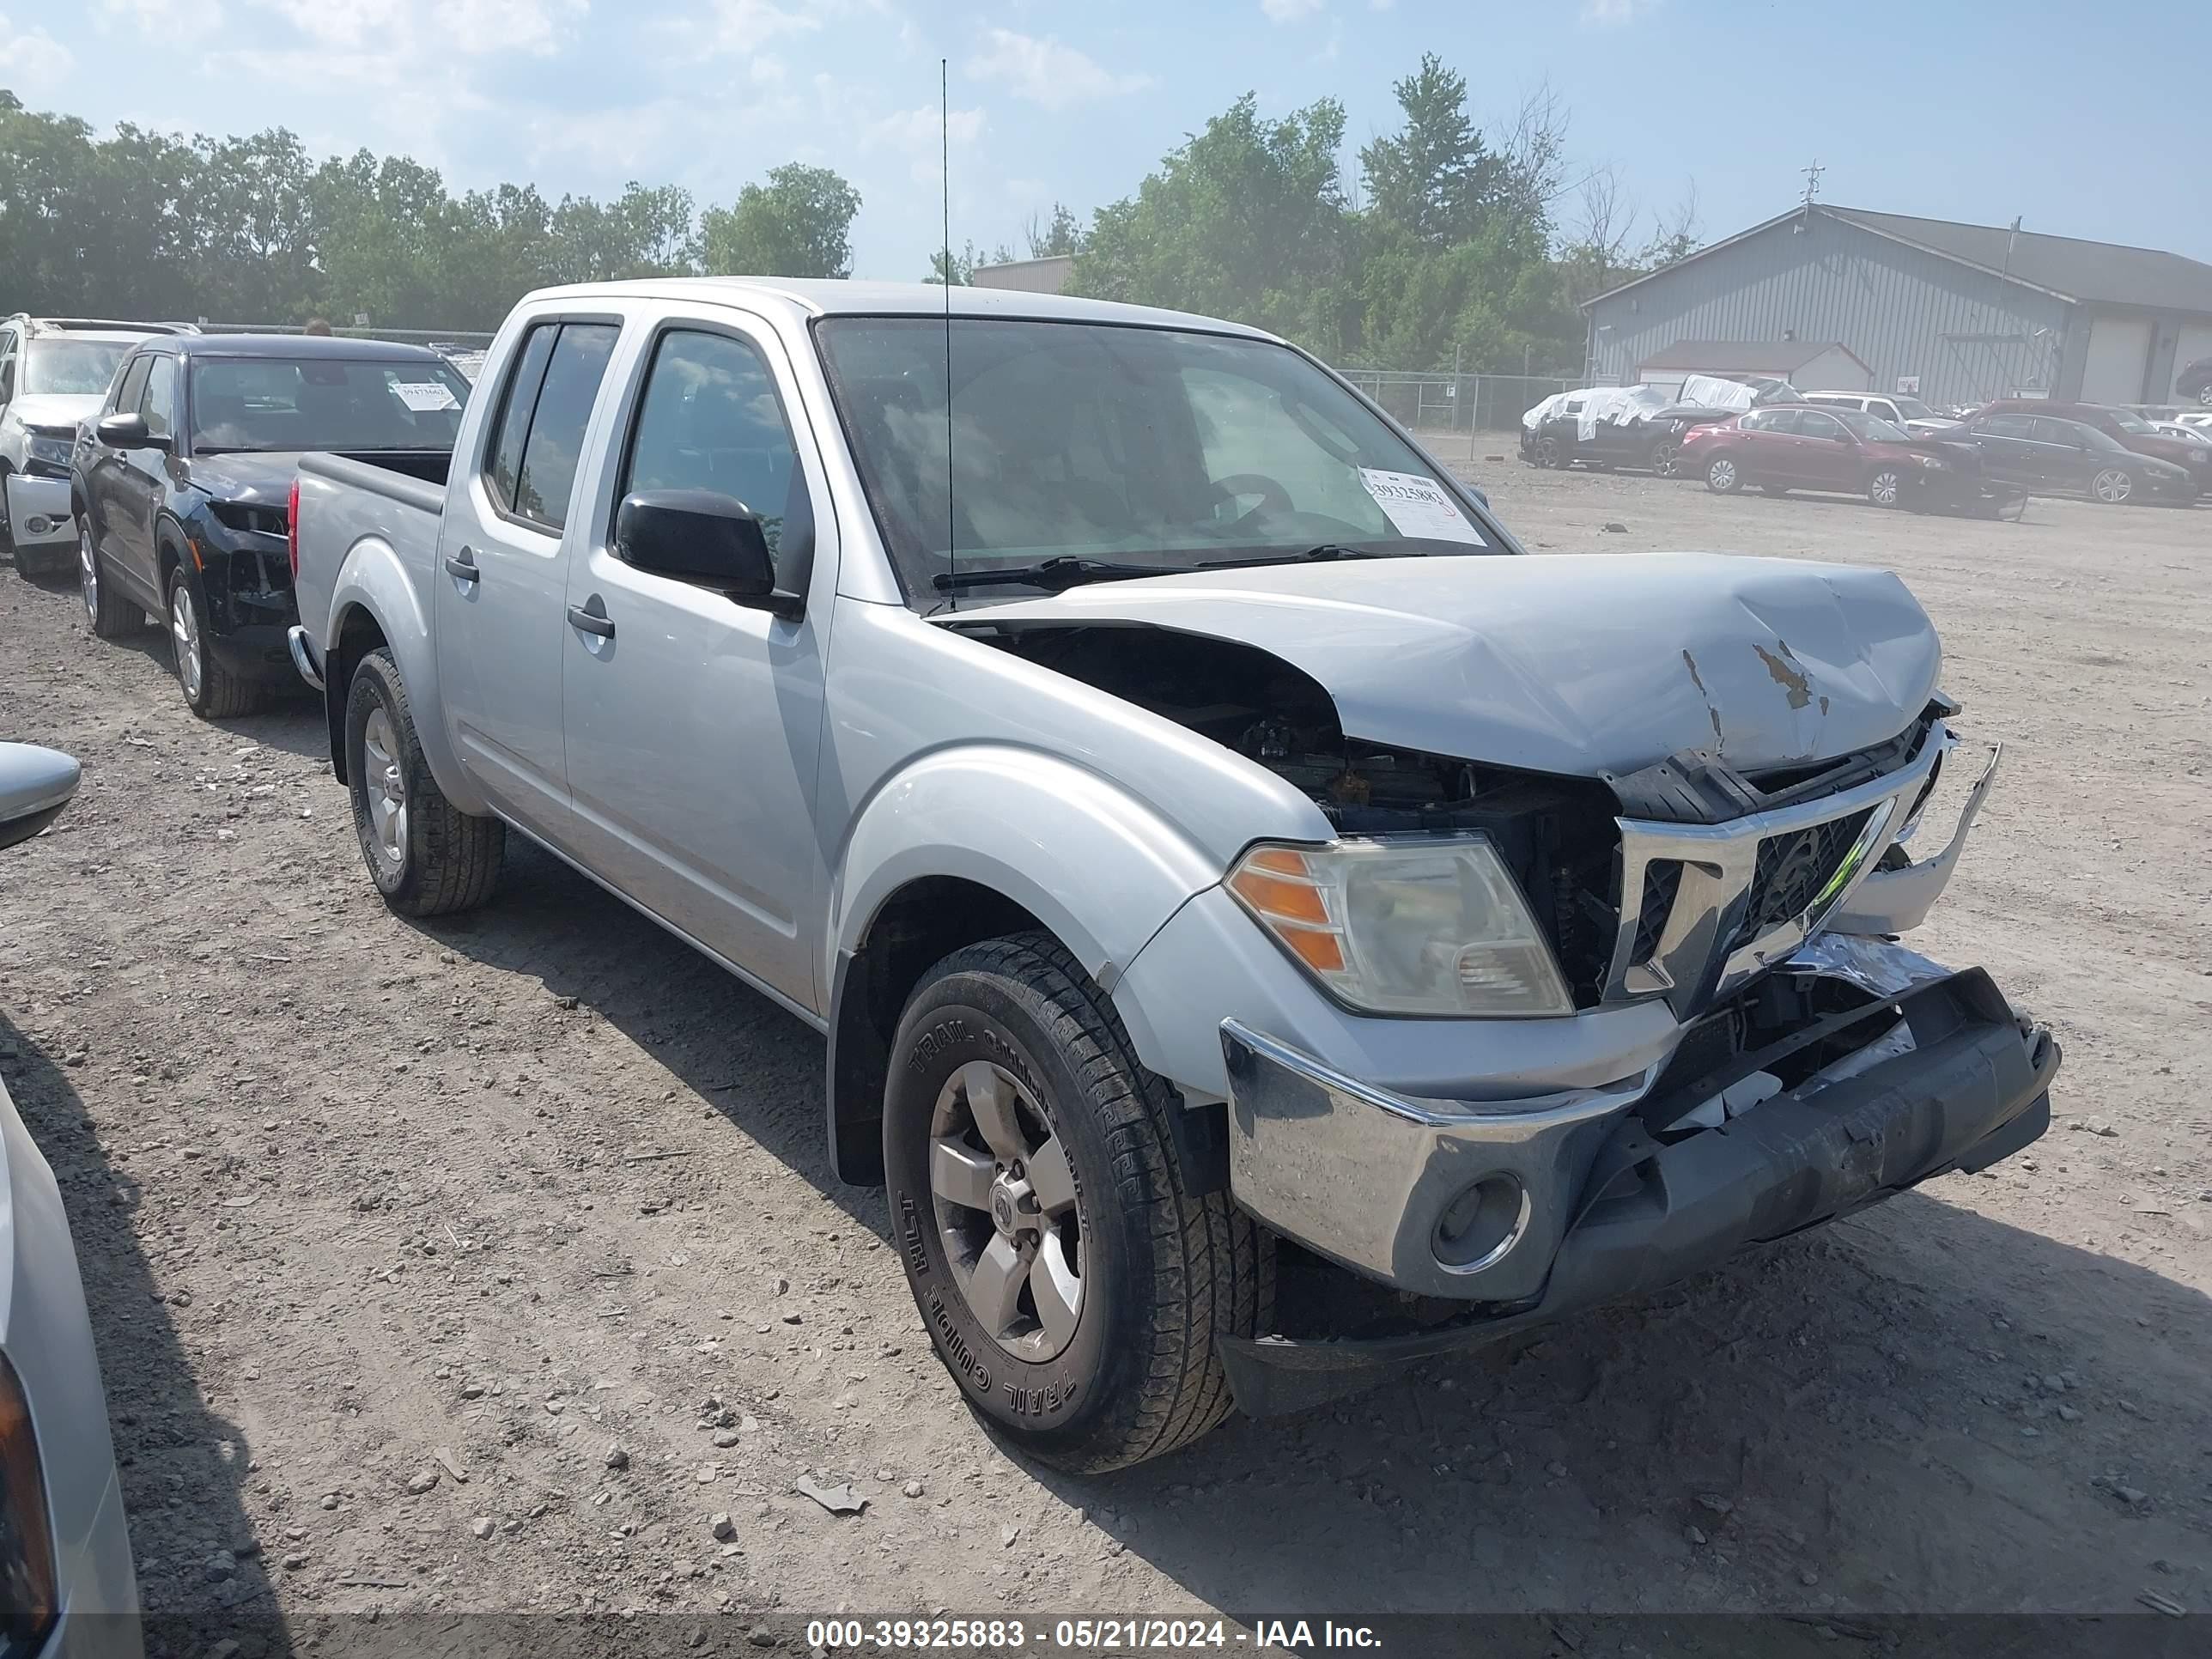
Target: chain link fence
[{"x": 1464, "y": 404}]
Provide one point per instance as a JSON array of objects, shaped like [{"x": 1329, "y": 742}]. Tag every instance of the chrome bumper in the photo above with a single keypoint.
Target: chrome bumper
[{"x": 303, "y": 655}]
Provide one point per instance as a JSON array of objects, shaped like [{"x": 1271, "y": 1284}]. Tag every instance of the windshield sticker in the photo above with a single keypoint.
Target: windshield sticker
[
  {"x": 1418, "y": 507},
  {"x": 425, "y": 397}
]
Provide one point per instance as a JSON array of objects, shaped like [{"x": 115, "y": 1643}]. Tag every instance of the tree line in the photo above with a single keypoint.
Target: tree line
[{"x": 1448, "y": 244}]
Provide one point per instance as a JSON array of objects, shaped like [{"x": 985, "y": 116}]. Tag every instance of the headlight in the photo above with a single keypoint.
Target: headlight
[
  {"x": 1930, "y": 461},
  {"x": 28, "y": 1598},
  {"x": 55, "y": 452},
  {"x": 1409, "y": 925}
]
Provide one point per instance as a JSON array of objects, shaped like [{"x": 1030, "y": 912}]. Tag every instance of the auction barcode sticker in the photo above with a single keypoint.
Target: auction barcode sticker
[
  {"x": 425, "y": 397},
  {"x": 1418, "y": 507}
]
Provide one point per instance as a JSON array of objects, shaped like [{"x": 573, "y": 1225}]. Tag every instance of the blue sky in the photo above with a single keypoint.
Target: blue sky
[{"x": 2082, "y": 118}]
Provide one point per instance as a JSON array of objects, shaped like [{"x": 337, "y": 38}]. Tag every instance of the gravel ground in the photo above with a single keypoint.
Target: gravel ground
[{"x": 491, "y": 1264}]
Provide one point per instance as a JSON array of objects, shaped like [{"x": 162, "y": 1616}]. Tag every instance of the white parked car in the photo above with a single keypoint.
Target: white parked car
[
  {"x": 67, "y": 1587},
  {"x": 54, "y": 371},
  {"x": 1906, "y": 413}
]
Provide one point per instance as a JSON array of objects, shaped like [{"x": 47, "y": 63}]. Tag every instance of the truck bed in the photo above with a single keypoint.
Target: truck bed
[{"x": 377, "y": 506}]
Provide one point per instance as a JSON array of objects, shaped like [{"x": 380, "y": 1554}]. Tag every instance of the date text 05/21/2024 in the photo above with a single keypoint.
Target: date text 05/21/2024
[{"x": 1086, "y": 1635}]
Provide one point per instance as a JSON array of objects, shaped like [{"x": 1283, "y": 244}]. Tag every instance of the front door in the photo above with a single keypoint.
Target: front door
[
  {"x": 501, "y": 578},
  {"x": 107, "y": 470},
  {"x": 142, "y": 483},
  {"x": 2062, "y": 458},
  {"x": 2009, "y": 448},
  {"x": 694, "y": 722},
  {"x": 1826, "y": 455}
]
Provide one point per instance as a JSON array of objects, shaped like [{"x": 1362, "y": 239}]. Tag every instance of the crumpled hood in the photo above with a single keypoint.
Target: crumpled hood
[
  {"x": 261, "y": 478},
  {"x": 55, "y": 408},
  {"x": 1573, "y": 665}
]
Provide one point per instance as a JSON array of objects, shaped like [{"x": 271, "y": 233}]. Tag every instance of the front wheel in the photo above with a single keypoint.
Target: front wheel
[
  {"x": 1547, "y": 452},
  {"x": 2112, "y": 486},
  {"x": 1723, "y": 477},
  {"x": 1070, "y": 1281},
  {"x": 212, "y": 690},
  {"x": 426, "y": 856},
  {"x": 1663, "y": 459},
  {"x": 1886, "y": 487}
]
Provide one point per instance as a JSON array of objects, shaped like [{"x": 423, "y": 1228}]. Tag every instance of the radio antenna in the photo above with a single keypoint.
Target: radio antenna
[{"x": 945, "y": 183}]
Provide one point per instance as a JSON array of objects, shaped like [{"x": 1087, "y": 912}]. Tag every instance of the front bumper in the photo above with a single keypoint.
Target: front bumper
[
  {"x": 1612, "y": 1206},
  {"x": 39, "y": 512},
  {"x": 251, "y": 605}
]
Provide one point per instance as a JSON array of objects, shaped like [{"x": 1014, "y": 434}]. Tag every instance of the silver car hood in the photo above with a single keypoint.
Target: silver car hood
[
  {"x": 1573, "y": 664},
  {"x": 57, "y": 408}
]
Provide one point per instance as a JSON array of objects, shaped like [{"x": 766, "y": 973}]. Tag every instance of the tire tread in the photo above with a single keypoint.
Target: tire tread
[{"x": 453, "y": 857}]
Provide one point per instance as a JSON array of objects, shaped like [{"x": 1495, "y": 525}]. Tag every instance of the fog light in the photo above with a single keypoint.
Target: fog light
[
  {"x": 38, "y": 526},
  {"x": 1482, "y": 1223}
]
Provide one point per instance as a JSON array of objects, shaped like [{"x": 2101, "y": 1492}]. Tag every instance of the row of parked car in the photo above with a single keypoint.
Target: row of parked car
[
  {"x": 1893, "y": 449},
  {"x": 1185, "y": 808}
]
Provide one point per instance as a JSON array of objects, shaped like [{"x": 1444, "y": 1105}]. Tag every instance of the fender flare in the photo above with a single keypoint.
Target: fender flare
[
  {"x": 374, "y": 581},
  {"x": 1094, "y": 865}
]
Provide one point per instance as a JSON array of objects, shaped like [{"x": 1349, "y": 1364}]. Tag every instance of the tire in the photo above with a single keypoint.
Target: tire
[
  {"x": 111, "y": 615},
  {"x": 2204, "y": 396},
  {"x": 427, "y": 857},
  {"x": 1886, "y": 488},
  {"x": 1724, "y": 476},
  {"x": 1159, "y": 1274},
  {"x": 1547, "y": 452},
  {"x": 16, "y": 557},
  {"x": 2114, "y": 486},
  {"x": 1663, "y": 459},
  {"x": 212, "y": 690}
]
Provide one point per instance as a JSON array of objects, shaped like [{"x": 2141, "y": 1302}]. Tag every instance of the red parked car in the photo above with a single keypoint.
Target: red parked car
[
  {"x": 2129, "y": 430},
  {"x": 1841, "y": 450}
]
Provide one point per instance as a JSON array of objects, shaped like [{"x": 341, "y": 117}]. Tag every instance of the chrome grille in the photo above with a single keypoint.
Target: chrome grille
[{"x": 1791, "y": 870}]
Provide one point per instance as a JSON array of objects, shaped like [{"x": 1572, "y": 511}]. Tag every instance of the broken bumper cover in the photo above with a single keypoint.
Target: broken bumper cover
[{"x": 1606, "y": 1209}]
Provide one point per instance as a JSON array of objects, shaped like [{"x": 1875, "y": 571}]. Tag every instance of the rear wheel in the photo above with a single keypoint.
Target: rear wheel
[
  {"x": 1723, "y": 477},
  {"x": 1886, "y": 487},
  {"x": 426, "y": 856},
  {"x": 110, "y": 614},
  {"x": 1071, "y": 1284},
  {"x": 212, "y": 690},
  {"x": 2112, "y": 486}
]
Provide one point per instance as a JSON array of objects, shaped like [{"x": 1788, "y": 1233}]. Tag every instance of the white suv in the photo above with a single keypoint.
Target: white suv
[
  {"x": 54, "y": 372},
  {"x": 1907, "y": 413}
]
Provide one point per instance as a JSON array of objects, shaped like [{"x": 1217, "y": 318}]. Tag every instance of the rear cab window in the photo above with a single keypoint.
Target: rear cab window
[{"x": 538, "y": 442}]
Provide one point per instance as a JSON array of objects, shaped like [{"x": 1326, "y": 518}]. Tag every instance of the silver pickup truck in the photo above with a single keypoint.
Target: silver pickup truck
[{"x": 1268, "y": 928}]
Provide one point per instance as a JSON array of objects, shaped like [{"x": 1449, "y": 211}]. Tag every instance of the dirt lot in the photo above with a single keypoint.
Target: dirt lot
[{"x": 540, "y": 1196}]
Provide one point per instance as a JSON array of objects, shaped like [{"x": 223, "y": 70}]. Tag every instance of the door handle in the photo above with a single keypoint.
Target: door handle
[
  {"x": 463, "y": 564},
  {"x": 591, "y": 622}
]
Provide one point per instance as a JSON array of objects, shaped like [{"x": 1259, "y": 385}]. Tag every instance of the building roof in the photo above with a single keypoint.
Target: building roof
[
  {"x": 1046, "y": 262},
  {"x": 1781, "y": 357},
  {"x": 2099, "y": 273},
  {"x": 819, "y": 297}
]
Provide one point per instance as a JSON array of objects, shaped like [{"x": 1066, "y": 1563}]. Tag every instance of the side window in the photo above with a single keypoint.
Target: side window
[
  {"x": 2006, "y": 426},
  {"x": 710, "y": 419},
  {"x": 2059, "y": 432},
  {"x": 540, "y": 440},
  {"x": 129, "y": 386},
  {"x": 159, "y": 405},
  {"x": 1887, "y": 412},
  {"x": 6, "y": 366},
  {"x": 519, "y": 400},
  {"x": 1826, "y": 428},
  {"x": 1758, "y": 420}
]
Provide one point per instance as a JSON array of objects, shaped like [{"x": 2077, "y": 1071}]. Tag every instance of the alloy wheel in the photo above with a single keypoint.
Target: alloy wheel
[
  {"x": 1007, "y": 1211},
  {"x": 1663, "y": 459},
  {"x": 385, "y": 783},
  {"x": 88, "y": 574},
  {"x": 1722, "y": 476},
  {"x": 2114, "y": 486},
  {"x": 1884, "y": 488},
  {"x": 1548, "y": 452},
  {"x": 185, "y": 634}
]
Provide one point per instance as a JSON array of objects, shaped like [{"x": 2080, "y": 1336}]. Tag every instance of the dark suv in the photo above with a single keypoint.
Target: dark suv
[
  {"x": 181, "y": 486},
  {"x": 2195, "y": 382}
]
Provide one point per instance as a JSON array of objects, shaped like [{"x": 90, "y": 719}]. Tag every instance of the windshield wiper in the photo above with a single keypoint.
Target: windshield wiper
[
  {"x": 1318, "y": 555},
  {"x": 1054, "y": 575}
]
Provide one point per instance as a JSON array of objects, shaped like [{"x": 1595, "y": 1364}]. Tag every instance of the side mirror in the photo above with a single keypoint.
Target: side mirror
[
  {"x": 705, "y": 537},
  {"x": 35, "y": 784},
  {"x": 122, "y": 431}
]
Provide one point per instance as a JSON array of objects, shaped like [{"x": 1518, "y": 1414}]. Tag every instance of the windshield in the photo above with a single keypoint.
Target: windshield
[
  {"x": 1871, "y": 428},
  {"x": 323, "y": 403},
  {"x": 2097, "y": 437},
  {"x": 1913, "y": 409},
  {"x": 79, "y": 368},
  {"x": 1152, "y": 448}
]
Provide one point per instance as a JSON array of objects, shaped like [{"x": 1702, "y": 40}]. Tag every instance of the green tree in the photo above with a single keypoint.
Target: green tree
[
  {"x": 1246, "y": 220},
  {"x": 1061, "y": 234},
  {"x": 800, "y": 223},
  {"x": 965, "y": 264}
]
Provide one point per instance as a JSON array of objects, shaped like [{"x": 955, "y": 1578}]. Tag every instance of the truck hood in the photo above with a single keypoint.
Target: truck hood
[
  {"x": 59, "y": 410},
  {"x": 264, "y": 478},
  {"x": 1580, "y": 665}
]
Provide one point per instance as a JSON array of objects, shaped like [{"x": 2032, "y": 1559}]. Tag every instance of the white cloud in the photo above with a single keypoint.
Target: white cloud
[
  {"x": 32, "y": 59},
  {"x": 1615, "y": 14},
  {"x": 167, "y": 19},
  {"x": 416, "y": 29},
  {"x": 746, "y": 25},
  {"x": 1047, "y": 73},
  {"x": 1289, "y": 11},
  {"x": 920, "y": 135}
]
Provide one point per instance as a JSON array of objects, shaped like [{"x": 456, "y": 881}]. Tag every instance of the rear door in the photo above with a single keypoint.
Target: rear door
[
  {"x": 694, "y": 723},
  {"x": 500, "y": 582}
]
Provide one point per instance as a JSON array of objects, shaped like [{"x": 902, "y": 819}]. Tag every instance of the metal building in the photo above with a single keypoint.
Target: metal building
[{"x": 1955, "y": 313}]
